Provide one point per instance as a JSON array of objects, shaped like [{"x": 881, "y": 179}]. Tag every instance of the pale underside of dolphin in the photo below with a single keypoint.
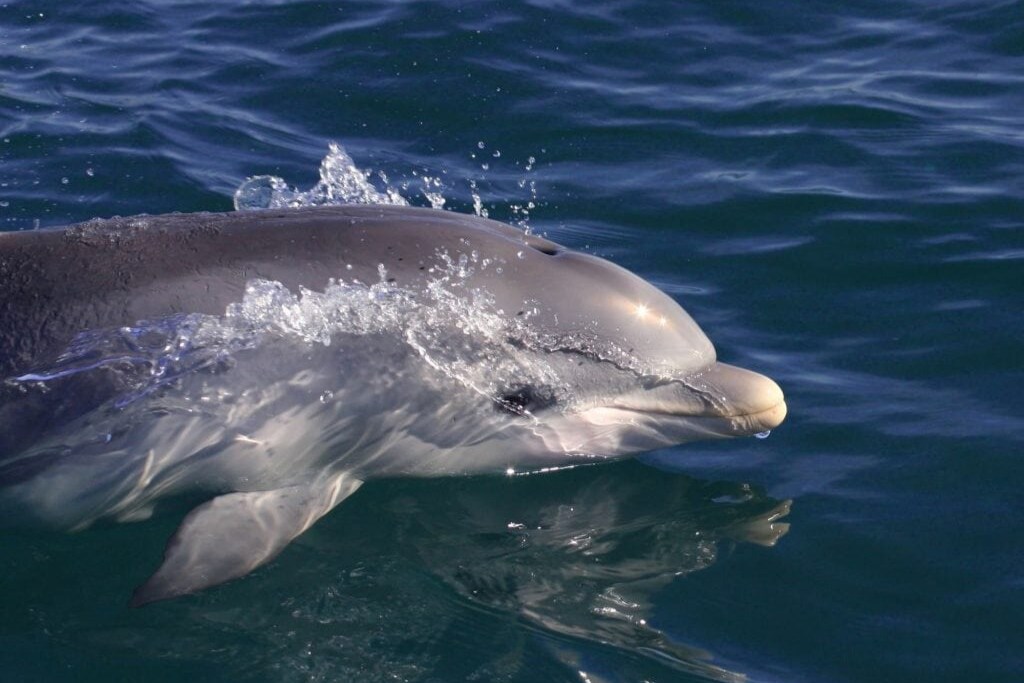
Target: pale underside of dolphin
[{"x": 278, "y": 359}]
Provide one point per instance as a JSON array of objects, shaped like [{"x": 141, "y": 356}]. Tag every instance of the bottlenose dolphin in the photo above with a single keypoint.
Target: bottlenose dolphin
[{"x": 275, "y": 360}]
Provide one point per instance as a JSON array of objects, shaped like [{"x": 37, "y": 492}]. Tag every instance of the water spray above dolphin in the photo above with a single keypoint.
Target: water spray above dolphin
[{"x": 275, "y": 360}]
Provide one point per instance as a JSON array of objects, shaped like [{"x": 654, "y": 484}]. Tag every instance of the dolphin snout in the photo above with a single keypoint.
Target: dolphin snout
[
  {"x": 725, "y": 399},
  {"x": 752, "y": 402}
]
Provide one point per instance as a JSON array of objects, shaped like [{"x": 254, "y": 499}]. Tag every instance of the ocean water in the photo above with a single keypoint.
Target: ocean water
[{"x": 833, "y": 192}]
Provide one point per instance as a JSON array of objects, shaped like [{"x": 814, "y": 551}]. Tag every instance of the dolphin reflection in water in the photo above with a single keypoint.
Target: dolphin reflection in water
[
  {"x": 277, "y": 360},
  {"x": 586, "y": 562}
]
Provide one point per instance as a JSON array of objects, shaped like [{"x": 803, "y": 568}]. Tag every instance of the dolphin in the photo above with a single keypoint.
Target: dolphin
[{"x": 270, "y": 362}]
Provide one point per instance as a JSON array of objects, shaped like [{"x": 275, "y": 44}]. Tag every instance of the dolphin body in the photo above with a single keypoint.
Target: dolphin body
[{"x": 275, "y": 360}]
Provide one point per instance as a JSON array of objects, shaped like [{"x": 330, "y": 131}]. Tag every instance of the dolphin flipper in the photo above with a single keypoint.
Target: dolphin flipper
[{"x": 231, "y": 535}]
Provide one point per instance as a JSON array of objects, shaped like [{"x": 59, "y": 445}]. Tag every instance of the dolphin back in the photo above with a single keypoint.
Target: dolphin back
[{"x": 111, "y": 273}]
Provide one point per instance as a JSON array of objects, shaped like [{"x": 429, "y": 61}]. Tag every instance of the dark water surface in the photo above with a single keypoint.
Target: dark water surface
[{"x": 834, "y": 193}]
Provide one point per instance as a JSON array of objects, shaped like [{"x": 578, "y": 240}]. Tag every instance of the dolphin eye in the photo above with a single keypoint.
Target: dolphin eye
[{"x": 525, "y": 398}]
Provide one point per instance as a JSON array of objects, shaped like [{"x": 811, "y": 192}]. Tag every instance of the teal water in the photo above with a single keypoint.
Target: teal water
[{"x": 834, "y": 193}]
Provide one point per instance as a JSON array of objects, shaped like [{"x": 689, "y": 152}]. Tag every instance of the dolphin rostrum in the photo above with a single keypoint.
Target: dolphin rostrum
[{"x": 275, "y": 360}]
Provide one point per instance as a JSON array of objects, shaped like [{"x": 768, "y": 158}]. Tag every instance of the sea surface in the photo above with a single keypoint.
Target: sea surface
[{"x": 834, "y": 191}]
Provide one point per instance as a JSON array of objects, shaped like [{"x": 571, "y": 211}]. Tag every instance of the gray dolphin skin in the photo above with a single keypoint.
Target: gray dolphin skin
[{"x": 273, "y": 361}]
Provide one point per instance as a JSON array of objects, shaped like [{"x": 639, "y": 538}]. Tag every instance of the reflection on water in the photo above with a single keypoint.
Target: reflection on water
[
  {"x": 488, "y": 578},
  {"x": 583, "y": 561}
]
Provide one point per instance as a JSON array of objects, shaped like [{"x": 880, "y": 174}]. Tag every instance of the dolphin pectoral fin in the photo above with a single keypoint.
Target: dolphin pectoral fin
[{"x": 231, "y": 535}]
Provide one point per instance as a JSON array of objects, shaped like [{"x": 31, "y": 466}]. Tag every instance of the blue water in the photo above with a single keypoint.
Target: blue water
[{"x": 835, "y": 193}]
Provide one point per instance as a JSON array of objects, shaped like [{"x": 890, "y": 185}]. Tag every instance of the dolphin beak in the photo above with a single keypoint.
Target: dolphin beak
[
  {"x": 751, "y": 402},
  {"x": 724, "y": 399}
]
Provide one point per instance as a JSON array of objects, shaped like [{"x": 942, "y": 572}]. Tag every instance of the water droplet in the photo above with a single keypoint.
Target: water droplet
[
  {"x": 480, "y": 144},
  {"x": 763, "y": 435},
  {"x": 89, "y": 172},
  {"x": 326, "y": 396},
  {"x": 258, "y": 192},
  {"x": 64, "y": 181}
]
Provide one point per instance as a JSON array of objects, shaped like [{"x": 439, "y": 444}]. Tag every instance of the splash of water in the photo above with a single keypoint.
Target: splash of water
[
  {"x": 455, "y": 328},
  {"x": 341, "y": 182}
]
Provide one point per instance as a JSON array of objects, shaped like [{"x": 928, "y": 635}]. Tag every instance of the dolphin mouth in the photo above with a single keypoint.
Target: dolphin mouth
[{"x": 725, "y": 399}]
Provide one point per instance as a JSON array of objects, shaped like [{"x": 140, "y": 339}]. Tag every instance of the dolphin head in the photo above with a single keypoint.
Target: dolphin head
[{"x": 625, "y": 368}]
